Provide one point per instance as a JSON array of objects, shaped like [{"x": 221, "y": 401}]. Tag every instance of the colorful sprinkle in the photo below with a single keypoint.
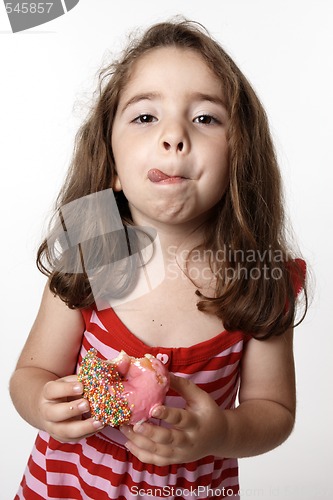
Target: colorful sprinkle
[{"x": 103, "y": 388}]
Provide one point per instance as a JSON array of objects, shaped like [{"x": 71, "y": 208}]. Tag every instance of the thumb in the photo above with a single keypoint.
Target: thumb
[{"x": 187, "y": 389}]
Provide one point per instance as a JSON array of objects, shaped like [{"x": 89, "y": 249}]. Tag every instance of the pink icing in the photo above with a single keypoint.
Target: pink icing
[{"x": 145, "y": 381}]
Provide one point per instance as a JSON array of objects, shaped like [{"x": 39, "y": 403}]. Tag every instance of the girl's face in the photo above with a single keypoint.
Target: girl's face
[{"x": 169, "y": 139}]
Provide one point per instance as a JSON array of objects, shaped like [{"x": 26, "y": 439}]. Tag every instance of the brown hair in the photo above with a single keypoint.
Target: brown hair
[{"x": 248, "y": 222}]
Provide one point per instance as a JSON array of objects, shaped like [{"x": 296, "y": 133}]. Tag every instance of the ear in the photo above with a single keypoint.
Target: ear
[{"x": 116, "y": 185}]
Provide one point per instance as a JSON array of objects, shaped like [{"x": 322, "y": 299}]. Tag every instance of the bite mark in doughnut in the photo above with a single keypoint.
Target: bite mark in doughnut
[{"x": 123, "y": 390}]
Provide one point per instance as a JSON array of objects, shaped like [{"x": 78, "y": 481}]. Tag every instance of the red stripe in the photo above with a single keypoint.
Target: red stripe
[
  {"x": 28, "y": 494},
  {"x": 36, "y": 471},
  {"x": 41, "y": 444},
  {"x": 225, "y": 396},
  {"x": 212, "y": 365},
  {"x": 65, "y": 492}
]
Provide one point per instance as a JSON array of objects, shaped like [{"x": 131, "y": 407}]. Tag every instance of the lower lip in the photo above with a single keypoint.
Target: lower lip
[{"x": 170, "y": 180}]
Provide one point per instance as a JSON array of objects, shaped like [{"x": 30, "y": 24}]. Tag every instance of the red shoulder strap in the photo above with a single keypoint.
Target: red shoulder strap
[{"x": 297, "y": 269}]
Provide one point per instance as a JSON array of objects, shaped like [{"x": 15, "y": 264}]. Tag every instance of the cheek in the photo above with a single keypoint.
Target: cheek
[
  {"x": 218, "y": 179},
  {"x": 128, "y": 185},
  {"x": 218, "y": 168},
  {"x": 216, "y": 151},
  {"x": 222, "y": 165},
  {"x": 123, "y": 159}
]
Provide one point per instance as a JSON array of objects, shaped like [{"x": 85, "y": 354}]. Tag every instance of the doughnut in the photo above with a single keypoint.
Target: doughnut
[{"x": 123, "y": 390}]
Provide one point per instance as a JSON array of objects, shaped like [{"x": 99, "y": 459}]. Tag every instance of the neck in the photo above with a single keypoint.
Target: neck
[
  {"x": 175, "y": 240},
  {"x": 183, "y": 236}
]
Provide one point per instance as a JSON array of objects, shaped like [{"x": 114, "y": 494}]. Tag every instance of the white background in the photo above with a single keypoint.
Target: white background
[{"x": 47, "y": 75}]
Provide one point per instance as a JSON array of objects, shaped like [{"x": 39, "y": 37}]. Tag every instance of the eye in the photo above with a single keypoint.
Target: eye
[
  {"x": 206, "y": 120},
  {"x": 144, "y": 118}
]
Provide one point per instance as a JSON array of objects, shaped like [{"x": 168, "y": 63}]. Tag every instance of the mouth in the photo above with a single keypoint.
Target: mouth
[{"x": 157, "y": 176}]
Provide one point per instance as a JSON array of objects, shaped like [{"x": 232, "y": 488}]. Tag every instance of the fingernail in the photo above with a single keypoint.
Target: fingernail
[
  {"x": 138, "y": 427},
  {"x": 98, "y": 425},
  {"x": 157, "y": 412},
  {"x": 124, "y": 429},
  {"x": 83, "y": 406},
  {"x": 78, "y": 388}
]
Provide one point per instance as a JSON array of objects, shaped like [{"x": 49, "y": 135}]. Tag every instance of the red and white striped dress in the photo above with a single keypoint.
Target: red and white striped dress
[{"x": 100, "y": 467}]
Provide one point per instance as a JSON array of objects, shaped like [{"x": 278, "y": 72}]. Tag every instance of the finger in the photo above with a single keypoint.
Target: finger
[
  {"x": 154, "y": 448},
  {"x": 177, "y": 417},
  {"x": 75, "y": 429},
  {"x": 140, "y": 441},
  {"x": 152, "y": 457},
  {"x": 158, "y": 434},
  {"x": 68, "y": 378},
  {"x": 145, "y": 437},
  {"x": 63, "y": 388},
  {"x": 59, "y": 412}
]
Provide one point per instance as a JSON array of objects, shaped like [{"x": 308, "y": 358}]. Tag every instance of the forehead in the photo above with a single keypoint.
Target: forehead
[{"x": 172, "y": 67}]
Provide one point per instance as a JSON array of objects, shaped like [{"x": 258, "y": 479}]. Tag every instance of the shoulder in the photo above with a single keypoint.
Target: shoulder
[
  {"x": 55, "y": 337},
  {"x": 268, "y": 370},
  {"x": 54, "y": 310}
]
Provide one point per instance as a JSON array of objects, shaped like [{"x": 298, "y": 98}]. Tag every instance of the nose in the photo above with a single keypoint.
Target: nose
[
  {"x": 169, "y": 145},
  {"x": 174, "y": 138}
]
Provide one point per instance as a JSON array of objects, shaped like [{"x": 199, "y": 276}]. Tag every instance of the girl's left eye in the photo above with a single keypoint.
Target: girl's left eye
[
  {"x": 206, "y": 120},
  {"x": 144, "y": 118}
]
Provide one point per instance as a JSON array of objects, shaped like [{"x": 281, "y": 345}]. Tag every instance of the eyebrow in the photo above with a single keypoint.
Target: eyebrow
[
  {"x": 215, "y": 99},
  {"x": 140, "y": 97},
  {"x": 196, "y": 96}
]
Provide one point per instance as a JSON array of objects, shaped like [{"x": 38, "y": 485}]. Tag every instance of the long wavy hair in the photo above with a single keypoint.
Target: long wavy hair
[{"x": 258, "y": 278}]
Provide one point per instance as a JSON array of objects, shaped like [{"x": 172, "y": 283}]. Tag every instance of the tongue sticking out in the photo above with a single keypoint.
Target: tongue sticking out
[{"x": 155, "y": 175}]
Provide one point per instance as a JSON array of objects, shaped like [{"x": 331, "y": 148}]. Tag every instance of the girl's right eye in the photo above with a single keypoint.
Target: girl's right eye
[{"x": 144, "y": 118}]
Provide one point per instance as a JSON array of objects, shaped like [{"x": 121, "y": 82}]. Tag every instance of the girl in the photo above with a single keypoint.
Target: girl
[{"x": 179, "y": 135}]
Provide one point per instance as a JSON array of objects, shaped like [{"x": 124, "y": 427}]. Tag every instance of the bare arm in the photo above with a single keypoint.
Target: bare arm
[
  {"x": 262, "y": 421},
  {"x": 266, "y": 414},
  {"x": 43, "y": 389}
]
